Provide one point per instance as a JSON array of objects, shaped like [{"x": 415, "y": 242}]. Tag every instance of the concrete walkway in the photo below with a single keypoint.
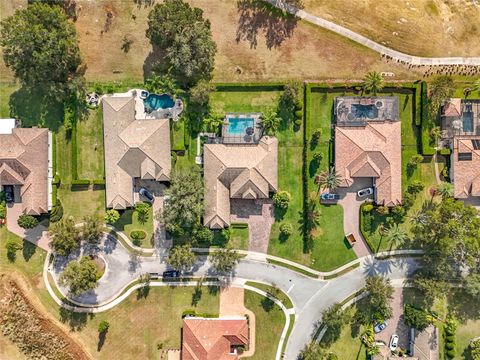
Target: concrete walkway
[
  {"x": 38, "y": 235},
  {"x": 395, "y": 55}
]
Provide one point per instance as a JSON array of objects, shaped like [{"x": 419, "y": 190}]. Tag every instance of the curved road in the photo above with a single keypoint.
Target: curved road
[
  {"x": 309, "y": 296},
  {"x": 396, "y": 55}
]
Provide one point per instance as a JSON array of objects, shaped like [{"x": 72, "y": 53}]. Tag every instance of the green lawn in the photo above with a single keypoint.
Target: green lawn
[
  {"x": 129, "y": 221},
  {"x": 90, "y": 161},
  {"x": 466, "y": 331},
  {"x": 239, "y": 238},
  {"x": 328, "y": 234},
  {"x": 79, "y": 203},
  {"x": 6, "y": 89},
  {"x": 273, "y": 291},
  {"x": 269, "y": 320}
]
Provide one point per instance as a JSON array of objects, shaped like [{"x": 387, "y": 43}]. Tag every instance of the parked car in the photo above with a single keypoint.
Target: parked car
[
  {"x": 394, "y": 342},
  {"x": 9, "y": 197},
  {"x": 331, "y": 197},
  {"x": 365, "y": 192},
  {"x": 146, "y": 194},
  {"x": 171, "y": 274},
  {"x": 379, "y": 327}
]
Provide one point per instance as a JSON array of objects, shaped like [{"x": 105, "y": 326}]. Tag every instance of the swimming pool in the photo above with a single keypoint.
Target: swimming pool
[
  {"x": 238, "y": 126},
  {"x": 155, "y": 102}
]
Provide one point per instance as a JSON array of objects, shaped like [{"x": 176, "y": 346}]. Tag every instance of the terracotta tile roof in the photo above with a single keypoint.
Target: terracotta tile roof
[
  {"x": 24, "y": 162},
  {"x": 373, "y": 150},
  {"x": 133, "y": 149},
  {"x": 211, "y": 339},
  {"x": 237, "y": 171},
  {"x": 466, "y": 173}
]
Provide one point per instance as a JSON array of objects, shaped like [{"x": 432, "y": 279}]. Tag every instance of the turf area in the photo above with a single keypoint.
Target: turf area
[{"x": 129, "y": 222}]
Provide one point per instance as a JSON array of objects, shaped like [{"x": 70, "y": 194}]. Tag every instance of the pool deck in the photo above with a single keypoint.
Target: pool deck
[{"x": 242, "y": 138}]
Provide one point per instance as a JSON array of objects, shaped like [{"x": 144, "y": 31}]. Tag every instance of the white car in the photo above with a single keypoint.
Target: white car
[
  {"x": 394, "y": 342},
  {"x": 365, "y": 192}
]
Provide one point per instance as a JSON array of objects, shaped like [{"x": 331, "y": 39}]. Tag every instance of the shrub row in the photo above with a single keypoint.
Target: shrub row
[
  {"x": 98, "y": 182},
  {"x": 362, "y": 227},
  {"x": 82, "y": 182},
  {"x": 56, "y": 213},
  {"x": 266, "y": 86},
  {"x": 193, "y": 312},
  {"x": 239, "y": 225}
]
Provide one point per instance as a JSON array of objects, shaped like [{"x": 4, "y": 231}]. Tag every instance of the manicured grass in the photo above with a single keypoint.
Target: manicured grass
[
  {"x": 273, "y": 291},
  {"x": 29, "y": 260},
  {"x": 239, "y": 238},
  {"x": 64, "y": 155},
  {"x": 78, "y": 203},
  {"x": 269, "y": 320},
  {"x": 178, "y": 134},
  {"x": 90, "y": 161},
  {"x": 243, "y": 101},
  {"x": 6, "y": 89},
  {"x": 466, "y": 331},
  {"x": 129, "y": 221},
  {"x": 328, "y": 234}
]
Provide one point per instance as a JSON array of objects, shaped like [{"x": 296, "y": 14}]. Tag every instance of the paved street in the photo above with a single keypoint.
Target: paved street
[{"x": 310, "y": 296}]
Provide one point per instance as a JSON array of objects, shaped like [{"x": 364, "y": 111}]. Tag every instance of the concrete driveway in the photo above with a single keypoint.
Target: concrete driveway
[{"x": 351, "y": 212}]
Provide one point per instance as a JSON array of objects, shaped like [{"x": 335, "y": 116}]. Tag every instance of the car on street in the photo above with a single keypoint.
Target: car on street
[
  {"x": 394, "y": 342},
  {"x": 146, "y": 194},
  {"x": 9, "y": 197},
  {"x": 380, "y": 326},
  {"x": 329, "y": 197},
  {"x": 365, "y": 192},
  {"x": 171, "y": 274}
]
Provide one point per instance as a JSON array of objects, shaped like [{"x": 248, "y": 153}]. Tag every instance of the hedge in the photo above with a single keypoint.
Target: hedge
[
  {"x": 138, "y": 234},
  {"x": 98, "y": 182},
  {"x": 445, "y": 151},
  {"x": 239, "y": 225},
  {"x": 56, "y": 213},
  {"x": 80, "y": 182},
  {"x": 193, "y": 312},
  {"x": 267, "y": 86},
  {"x": 362, "y": 230}
]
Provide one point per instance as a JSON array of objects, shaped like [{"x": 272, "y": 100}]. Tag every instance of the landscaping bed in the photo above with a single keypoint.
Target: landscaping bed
[{"x": 129, "y": 223}]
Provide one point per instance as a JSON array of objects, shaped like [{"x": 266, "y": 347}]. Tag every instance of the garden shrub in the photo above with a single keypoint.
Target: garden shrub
[
  {"x": 398, "y": 210},
  {"x": 383, "y": 210},
  {"x": 103, "y": 326},
  {"x": 415, "y": 187},
  {"x": 451, "y": 354},
  {"x": 203, "y": 235},
  {"x": 367, "y": 221},
  {"x": 226, "y": 234},
  {"x": 298, "y": 122},
  {"x": 286, "y": 229},
  {"x": 299, "y": 114},
  {"x": 27, "y": 221},
  {"x": 111, "y": 216},
  {"x": 239, "y": 225},
  {"x": 445, "y": 151},
  {"x": 57, "y": 212},
  {"x": 317, "y": 157},
  {"x": 3, "y": 210},
  {"x": 367, "y": 208},
  {"x": 408, "y": 200},
  {"x": 450, "y": 345},
  {"x": 315, "y": 138},
  {"x": 282, "y": 199},
  {"x": 138, "y": 234},
  {"x": 81, "y": 182},
  {"x": 450, "y": 338},
  {"x": 98, "y": 182}
]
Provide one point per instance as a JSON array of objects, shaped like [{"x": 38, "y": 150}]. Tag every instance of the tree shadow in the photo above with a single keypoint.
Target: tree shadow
[
  {"x": 28, "y": 250},
  {"x": 101, "y": 339},
  {"x": 144, "y": 3},
  {"x": 256, "y": 16},
  {"x": 143, "y": 292},
  {"x": 34, "y": 106},
  {"x": 76, "y": 321},
  {"x": 155, "y": 62},
  {"x": 197, "y": 295},
  {"x": 313, "y": 167}
]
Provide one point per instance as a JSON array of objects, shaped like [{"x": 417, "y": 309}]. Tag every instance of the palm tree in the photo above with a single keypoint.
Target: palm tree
[
  {"x": 419, "y": 218},
  {"x": 271, "y": 122},
  {"x": 327, "y": 179},
  {"x": 373, "y": 82},
  {"x": 213, "y": 122},
  {"x": 395, "y": 235},
  {"x": 445, "y": 190},
  {"x": 161, "y": 84}
]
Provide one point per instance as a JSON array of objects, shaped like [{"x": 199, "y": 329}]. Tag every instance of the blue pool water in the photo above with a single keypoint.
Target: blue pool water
[
  {"x": 238, "y": 126},
  {"x": 154, "y": 102}
]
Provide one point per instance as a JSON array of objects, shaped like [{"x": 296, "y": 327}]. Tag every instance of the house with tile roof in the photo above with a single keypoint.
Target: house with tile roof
[
  {"x": 461, "y": 132},
  {"x": 135, "y": 149},
  {"x": 368, "y": 145},
  {"x": 214, "y": 338},
  {"x": 237, "y": 171},
  {"x": 26, "y": 165}
]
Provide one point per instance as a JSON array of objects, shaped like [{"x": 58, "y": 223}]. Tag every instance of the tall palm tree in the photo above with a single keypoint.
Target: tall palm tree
[
  {"x": 419, "y": 218},
  {"x": 445, "y": 190},
  {"x": 327, "y": 179},
  {"x": 395, "y": 235},
  {"x": 373, "y": 82},
  {"x": 213, "y": 122},
  {"x": 271, "y": 122}
]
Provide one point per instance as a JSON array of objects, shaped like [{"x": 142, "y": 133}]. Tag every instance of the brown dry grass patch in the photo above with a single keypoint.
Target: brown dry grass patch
[
  {"x": 416, "y": 27},
  {"x": 282, "y": 49}
]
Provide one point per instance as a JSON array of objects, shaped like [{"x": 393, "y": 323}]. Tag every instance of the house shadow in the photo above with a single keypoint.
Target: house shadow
[{"x": 258, "y": 17}]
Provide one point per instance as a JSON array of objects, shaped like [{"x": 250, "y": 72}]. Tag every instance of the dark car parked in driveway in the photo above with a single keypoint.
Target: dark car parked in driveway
[
  {"x": 329, "y": 197},
  {"x": 171, "y": 274},
  {"x": 146, "y": 194},
  {"x": 9, "y": 197}
]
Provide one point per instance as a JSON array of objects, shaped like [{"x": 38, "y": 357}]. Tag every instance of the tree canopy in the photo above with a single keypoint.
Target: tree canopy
[
  {"x": 182, "y": 212},
  {"x": 64, "y": 236},
  {"x": 40, "y": 45},
  {"x": 224, "y": 260},
  {"x": 377, "y": 303},
  {"x": 181, "y": 258},
  {"x": 80, "y": 276},
  {"x": 184, "y": 39}
]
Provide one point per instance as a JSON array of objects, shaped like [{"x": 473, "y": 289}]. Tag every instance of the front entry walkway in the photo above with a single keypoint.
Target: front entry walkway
[
  {"x": 258, "y": 214},
  {"x": 38, "y": 235},
  {"x": 351, "y": 213}
]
